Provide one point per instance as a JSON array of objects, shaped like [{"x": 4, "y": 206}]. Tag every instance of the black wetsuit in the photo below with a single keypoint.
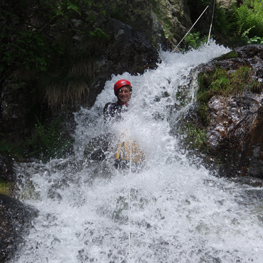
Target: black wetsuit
[
  {"x": 112, "y": 111},
  {"x": 96, "y": 148}
]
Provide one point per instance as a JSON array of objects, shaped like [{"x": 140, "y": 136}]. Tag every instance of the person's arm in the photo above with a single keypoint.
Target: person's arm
[
  {"x": 106, "y": 112},
  {"x": 112, "y": 112}
]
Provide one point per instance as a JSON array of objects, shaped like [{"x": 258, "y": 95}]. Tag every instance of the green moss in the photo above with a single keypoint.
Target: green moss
[
  {"x": 5, "y": 187},
  {"x": 203, "y": 114},
  {"x": 229, "y": 55},
  {"x": 256, "y": 87},
  {"x": 223, "y": 82},
  {"x": 195, "y": 137},
  {"x": 165, "y": 22}
]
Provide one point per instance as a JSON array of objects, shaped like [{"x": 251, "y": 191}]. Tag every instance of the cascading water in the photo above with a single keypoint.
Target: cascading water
[{"x": 170, "y": 211}]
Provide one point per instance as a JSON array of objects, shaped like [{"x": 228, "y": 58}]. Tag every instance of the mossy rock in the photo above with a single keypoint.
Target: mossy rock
[
  {"x": 5, "y": 187},
  {"x": 229, "y": 55},
  {"x": 203, "y": 98}
]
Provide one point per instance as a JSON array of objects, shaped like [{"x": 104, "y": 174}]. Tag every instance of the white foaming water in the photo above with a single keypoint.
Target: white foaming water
[{"x": 171, "y": 211}]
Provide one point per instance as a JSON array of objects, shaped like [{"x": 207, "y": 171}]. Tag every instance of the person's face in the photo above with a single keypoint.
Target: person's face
[{"x": 124, "y": 94}]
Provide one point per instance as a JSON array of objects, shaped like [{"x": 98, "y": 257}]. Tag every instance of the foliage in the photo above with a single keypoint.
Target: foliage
[
  {"x": 196, "y": 137},
  {"x": 6, "y": 147},
  {"x": 249, "y": 18},
  {"x": 233, "y": 26},
  {"x": 98, "y": 33},
  {"x": 192, "y": 137},
  {"x": 48, "y": 142},
  {"x": 222, "y": 82},
  {"x": 255, "y": 40},
  {"x": 194, "y": 41},
  {"x": 221, "y": 21},
  {"x": 245, "y": 23},
  {"x": 51, "y": 47},
  {"x": 31, "y": 32}
]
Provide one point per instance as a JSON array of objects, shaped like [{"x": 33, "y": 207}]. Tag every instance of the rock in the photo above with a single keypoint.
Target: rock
[
  {"x": 234, "y": 129},
  {"x": 138, "y": 14},
  {"x": 227, "y": 3},
  {"x": 15, "y": 221},
  {"x": 7, "y": 169},
  {"x": 175, "y": 18},
  {"x": 235, "y": 133}
]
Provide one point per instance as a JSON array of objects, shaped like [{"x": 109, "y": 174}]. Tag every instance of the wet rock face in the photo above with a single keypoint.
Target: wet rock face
[
  {"x": 135, "y": 34},
  {"x": 176, "y": 16},
  {"x": 235, "y": 127},
  {"x": 6, "y": 169},
  {"x": 235, "y": 134},
  {"x": 231, "y": 115},
  {"x": 253, "y": 54}
]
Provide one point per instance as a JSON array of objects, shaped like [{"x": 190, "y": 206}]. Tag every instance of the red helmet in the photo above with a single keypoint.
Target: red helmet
[{"x": 120, "y": 83}]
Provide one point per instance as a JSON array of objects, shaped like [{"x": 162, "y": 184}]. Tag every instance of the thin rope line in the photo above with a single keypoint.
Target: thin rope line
[
  {"x": 211, "y": 22},
  {"x": 130, "y": 204},
  {"x": 129, "y": 225},
  {"x": 190, "y": 29}
]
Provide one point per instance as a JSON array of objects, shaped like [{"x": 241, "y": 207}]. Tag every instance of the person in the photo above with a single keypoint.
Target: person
[
  {"x": 112, "y": 112},
  {"x": 127, "y": 152},
  {"x": 98, "y": 146},
  {"x": 123, "y": 91}
]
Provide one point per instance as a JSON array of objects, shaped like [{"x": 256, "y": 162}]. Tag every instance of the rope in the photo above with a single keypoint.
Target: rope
[
  {"x": 129, "y": 224},
  {"x": 190, "y": 29},
  {"x": 210, "y": 29},
  {"x": 130, "y": 207}
]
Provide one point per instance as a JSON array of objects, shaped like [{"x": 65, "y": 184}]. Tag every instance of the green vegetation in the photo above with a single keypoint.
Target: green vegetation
[
  {"x": 196, "y": 137},
  {"x": 5, "y": 187},
  {"x": 165, "y": 23},
  {"x": 48, "y": 51},
  {"x": 194, "y": 41},
  {"x": 48, "y": 142},
  {"x": 236, "y": 26},
  {"x": 249, "y": 19},
  {"x": 231, "y": 54},
  {"x": 218, "y": 82},
  {"x": 223, "y": 82},
  {"x": 30, "y": 44},
  {"x": 34, "y": 33}
]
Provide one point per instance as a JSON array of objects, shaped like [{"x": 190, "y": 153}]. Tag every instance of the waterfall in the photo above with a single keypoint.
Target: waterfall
[{"x": 170, "y": 211}]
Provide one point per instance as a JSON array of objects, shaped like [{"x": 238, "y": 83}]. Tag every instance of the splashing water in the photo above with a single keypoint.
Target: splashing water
[{"x": 171, "y": 211}]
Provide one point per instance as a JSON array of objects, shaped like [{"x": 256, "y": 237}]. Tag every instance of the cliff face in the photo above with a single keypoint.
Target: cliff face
[
  {"x": 64, "y": 54},
  {"x": 232, "y": 115}
]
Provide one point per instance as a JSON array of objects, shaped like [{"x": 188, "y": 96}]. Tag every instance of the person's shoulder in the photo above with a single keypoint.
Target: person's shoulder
[
  {"x": 108, "y": 106},
  {"x": 112, "y": 105}
]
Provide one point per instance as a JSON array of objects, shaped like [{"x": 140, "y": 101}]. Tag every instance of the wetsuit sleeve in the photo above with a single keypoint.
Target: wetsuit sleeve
[
  {"x": 112, "y": 112},
  {"x": 106, "y": 112}
]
